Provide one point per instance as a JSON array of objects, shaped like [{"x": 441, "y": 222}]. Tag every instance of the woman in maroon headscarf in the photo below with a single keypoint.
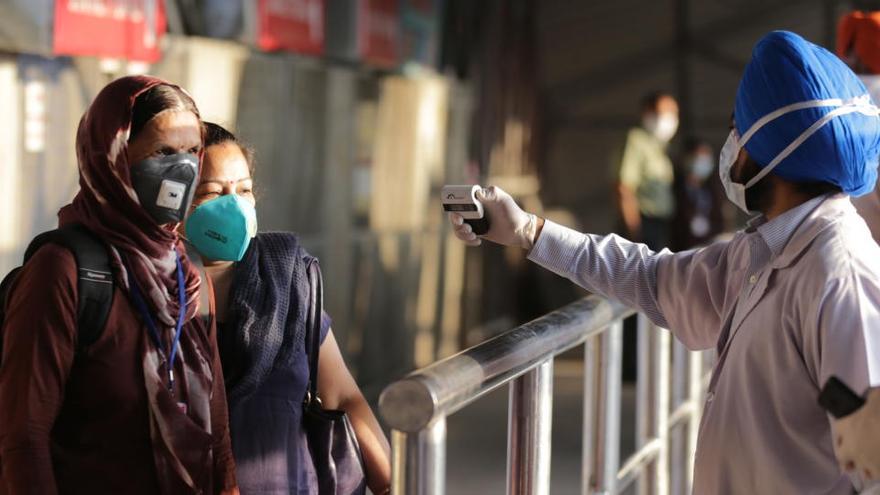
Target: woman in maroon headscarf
[{"x": 114, "y": 417}]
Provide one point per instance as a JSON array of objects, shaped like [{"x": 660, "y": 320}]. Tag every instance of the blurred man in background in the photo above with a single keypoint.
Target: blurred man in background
[
  {"x": 644, "y": 173},
  {"x": 699, "y": 197}
]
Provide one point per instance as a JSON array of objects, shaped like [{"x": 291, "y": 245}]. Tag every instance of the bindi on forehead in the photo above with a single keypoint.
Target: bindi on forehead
[{"x": 224, "y": 181}]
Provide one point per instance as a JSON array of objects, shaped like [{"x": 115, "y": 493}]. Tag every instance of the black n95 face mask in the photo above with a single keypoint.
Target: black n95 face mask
[{"x": 165, "y": 185}]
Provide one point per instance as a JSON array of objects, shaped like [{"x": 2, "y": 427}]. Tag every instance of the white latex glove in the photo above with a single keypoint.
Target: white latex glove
[
  {"x": 508, "y": 223},
  {"x": 858, "y": 438}
]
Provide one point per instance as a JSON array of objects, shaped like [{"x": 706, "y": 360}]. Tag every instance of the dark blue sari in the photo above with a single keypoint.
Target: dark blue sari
[{"x": 262, "y": 347}]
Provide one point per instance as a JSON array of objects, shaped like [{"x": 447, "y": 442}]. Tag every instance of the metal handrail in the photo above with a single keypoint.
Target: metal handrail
[
  {"x": 668, "y": 398},
  {"x": 444, "y": 387}
]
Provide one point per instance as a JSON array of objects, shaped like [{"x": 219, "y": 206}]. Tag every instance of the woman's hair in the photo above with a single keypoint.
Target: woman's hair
[
  {"x": 155, "y": 101},
  {"x": 217, "y": 134},
  {"x": 693, "y": 144}
]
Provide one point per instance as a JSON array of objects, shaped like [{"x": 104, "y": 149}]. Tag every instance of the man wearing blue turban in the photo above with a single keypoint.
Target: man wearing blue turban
[
  {"x": 788, "y": 303},
  {"x": 805, "y": 117}
]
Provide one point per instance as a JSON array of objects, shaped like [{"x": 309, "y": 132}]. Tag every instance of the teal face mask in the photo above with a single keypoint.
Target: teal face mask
[{"x": 222, "y": 229}]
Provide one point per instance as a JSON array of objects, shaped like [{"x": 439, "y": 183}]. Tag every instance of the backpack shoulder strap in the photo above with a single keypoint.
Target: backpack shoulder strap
[
  {"x": 5, "y": 288},
  {"x": 94, "y": 277}
]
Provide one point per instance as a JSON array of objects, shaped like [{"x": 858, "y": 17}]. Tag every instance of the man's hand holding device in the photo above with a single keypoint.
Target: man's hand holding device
[{"x": 490, "y": 213}]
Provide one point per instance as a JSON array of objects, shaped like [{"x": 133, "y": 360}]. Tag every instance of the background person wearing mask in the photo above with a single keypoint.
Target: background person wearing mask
[
  {"x": 262, "y": 295},
  {"x": 113, "y": 417},
  {"x": 644, "y": 173},
  {"x": 787, "y": 303},
  {"x": 699, "y": 198},
  {"x": 643, "y": 178},
  {"x": 858, "y": 44}
]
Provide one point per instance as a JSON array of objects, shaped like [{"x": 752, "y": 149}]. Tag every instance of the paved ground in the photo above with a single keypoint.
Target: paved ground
[{"x": 477, "y": 439}]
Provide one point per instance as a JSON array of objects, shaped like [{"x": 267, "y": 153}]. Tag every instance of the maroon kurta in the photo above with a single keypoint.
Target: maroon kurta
[{"x": 80, "y": 423}]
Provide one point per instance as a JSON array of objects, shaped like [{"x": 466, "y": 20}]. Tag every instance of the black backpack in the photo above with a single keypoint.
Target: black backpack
[{"x": 94, "y": 281}]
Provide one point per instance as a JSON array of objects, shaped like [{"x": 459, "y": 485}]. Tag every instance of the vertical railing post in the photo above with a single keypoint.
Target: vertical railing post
[
  {"x": 678, "y": 436},
  {"x": 589, "y": 452},
  {"x": 695, "y": 395},
  {"x": 418, "y": 464},
  {"x": 644, "y": 395},
  {"x": 607, "y": 432},
  {"x": 652, "y": 404},
  {"x": 661, "y": 356},
  {"x": 529, "y": 426}
]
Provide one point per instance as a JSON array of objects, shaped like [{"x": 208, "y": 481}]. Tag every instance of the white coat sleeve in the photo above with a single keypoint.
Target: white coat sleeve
[
  {"x": 693, "y": 289},
  {"x": 657, "y": 284}
]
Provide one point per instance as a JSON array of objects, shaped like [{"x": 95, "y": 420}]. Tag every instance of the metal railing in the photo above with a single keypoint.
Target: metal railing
[{"x": 668, "y": 405}]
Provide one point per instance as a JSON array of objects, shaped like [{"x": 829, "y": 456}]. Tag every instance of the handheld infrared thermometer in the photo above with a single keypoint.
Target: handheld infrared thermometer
[{"x": 463, "y": 200}]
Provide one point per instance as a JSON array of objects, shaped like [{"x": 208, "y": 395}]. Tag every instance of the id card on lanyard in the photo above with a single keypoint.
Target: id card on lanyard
[{"x": 141, "y": 305}]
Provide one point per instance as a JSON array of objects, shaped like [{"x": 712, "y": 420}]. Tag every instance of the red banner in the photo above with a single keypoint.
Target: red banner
[
  {"x": 291, "y": 25},
  {"x": 379, "y": 31},
  {"x": 129, "y": 29}
]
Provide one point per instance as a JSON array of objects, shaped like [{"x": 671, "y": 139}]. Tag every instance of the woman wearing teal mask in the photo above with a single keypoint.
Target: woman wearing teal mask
[{"x": 262, "y": 298}]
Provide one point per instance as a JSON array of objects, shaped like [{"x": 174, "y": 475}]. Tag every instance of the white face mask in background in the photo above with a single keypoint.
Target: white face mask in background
[
  {"x": 662, "y": 126},
  {"x": 701, "y": 166},
  {"x": 736, "y": 192}
]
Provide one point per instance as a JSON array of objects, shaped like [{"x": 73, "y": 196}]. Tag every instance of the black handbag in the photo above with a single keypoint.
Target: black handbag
[{"x": 339, "y": 466}]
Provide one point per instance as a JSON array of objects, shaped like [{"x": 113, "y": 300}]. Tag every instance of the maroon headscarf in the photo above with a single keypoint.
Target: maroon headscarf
[{"x": 108, "y": 205}]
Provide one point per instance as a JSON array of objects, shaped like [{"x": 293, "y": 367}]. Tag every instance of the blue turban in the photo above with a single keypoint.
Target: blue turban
[{"x": 786, "y": 69}]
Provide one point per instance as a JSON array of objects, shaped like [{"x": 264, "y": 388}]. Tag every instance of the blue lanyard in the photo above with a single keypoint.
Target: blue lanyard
[{"x": 151, "y": 325}]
